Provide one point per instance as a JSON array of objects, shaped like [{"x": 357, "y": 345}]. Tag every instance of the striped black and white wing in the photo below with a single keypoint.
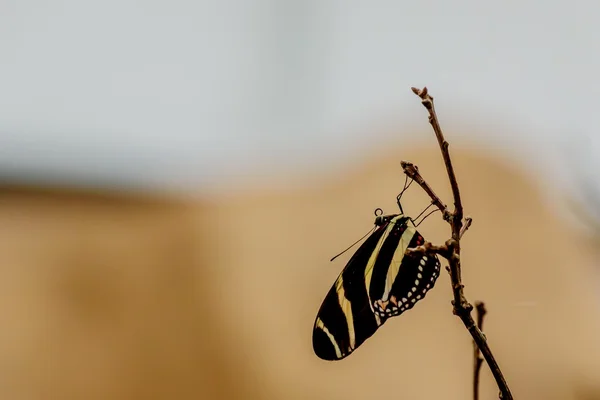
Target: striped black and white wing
[{"x": 378, "y": 282}]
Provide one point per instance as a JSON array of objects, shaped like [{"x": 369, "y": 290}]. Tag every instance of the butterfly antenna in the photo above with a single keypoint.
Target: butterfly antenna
[{"x": 353, "y": 244}]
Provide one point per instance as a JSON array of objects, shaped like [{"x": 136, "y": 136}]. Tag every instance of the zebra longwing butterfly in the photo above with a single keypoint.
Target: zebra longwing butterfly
[{"x": 379, "y": 282}]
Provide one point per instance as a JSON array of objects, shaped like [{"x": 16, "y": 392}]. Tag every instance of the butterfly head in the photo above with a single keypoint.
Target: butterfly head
[{"x": 384, "y": 219}]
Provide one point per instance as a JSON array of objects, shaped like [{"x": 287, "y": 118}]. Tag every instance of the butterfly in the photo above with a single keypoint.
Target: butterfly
[{"x": 379, "y": 282}]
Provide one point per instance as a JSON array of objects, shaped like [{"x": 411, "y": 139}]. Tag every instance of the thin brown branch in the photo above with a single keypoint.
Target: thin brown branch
[
  {"x": 412, "y": 171},
  {"x": 480, "y": 312},
  {"x": 429, "y": 248},
  {"x": 427, "y": 101},
  {"x": 461, "y": 307}
]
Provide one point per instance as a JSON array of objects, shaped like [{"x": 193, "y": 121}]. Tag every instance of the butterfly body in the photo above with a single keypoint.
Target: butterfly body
[{"x": 378, "y": 282}]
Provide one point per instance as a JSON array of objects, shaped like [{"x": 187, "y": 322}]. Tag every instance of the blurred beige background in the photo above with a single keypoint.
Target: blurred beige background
[
  {"x": 116, "y": 296},
  {"x": 263, "y": 107}
]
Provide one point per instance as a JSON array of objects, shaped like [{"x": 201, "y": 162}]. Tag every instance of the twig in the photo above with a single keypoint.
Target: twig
[
  {"x": 412, "y": 171},
  {"x": 428, "y": 247},
  {"x": 480, "y": 312},
  {"x": 427, "y": 101},
  {"x": 461, "y": 307},
  {"x": 468, "y": 222}
]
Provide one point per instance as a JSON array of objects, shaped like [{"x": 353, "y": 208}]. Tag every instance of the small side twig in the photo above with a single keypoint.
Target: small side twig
[
  {"x": 467, "y": 225},
  {"x": 412, "y": 171},
  {"x": 461, "y": 307},
  {"x": 429, "y": 247},
  {"x": 480, "y": 312}
]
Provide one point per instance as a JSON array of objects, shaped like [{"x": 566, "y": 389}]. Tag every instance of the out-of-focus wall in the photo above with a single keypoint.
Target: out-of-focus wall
[
  {"x": 121, "y": 297},
  {"x": 104, "y": 296}
]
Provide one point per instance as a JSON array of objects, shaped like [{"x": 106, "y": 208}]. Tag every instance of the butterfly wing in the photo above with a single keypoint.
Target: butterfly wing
[
  {"x": 378, "y": 282},
  {"x": 345, "y": 318}
]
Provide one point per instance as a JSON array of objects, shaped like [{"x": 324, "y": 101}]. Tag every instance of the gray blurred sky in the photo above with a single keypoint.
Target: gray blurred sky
[{"x": 203, "y": 93}]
